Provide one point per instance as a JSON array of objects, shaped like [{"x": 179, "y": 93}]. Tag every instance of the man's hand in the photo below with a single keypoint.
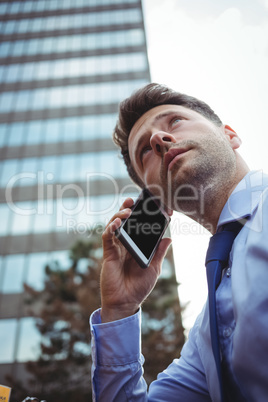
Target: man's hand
[{"x": 124, "y": 285}]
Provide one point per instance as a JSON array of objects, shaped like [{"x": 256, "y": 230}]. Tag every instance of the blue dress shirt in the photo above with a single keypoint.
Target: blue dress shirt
[{"x": 242, "y": 312}]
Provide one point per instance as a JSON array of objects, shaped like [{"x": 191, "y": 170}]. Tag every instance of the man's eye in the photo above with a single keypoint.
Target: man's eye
[{"x": 175, "y": 121}]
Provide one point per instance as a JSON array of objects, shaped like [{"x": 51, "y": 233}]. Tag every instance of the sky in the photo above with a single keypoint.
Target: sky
[{"x": 216, "y": 51}]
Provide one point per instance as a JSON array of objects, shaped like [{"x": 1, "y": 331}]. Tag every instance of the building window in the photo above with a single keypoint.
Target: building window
[
  {"x": 34, "y": 133},
  {"x": 8, "y": 330},
  {"x": 29, "y": 340},
  {"x": 5, "y": 219},
  {"x": 5, "y": 49},
  {"x": 36, "y": 263},
  {"x": 16, "y": 134},
  {"x": 9, "y": 169},
  {"x": 13, "y": 274},
  {"x": 22, "y": 218},
  {"x": 6, "y": 101},
  {"x": 3, "y": 135}
]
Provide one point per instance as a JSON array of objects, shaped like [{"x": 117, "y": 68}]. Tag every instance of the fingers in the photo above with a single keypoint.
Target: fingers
[
  {"x": 115, "y": 222},
  {"x": 127, "y": 203},
  {"x": 123, "y": 212},
  {"x": 110, "y": 229},
  {"x": 113, "y": 225},
  {"x": 108, "y": 234}
]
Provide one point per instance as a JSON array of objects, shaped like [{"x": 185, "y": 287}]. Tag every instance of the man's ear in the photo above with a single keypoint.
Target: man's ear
[{"x": 232, "y": 137}]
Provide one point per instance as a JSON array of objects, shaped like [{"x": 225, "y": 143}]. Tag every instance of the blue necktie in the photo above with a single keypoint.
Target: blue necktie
[{"x": 216, "y": 260}]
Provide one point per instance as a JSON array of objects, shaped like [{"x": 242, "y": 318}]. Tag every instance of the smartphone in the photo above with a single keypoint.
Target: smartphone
[{"x": 145, "y": 227}]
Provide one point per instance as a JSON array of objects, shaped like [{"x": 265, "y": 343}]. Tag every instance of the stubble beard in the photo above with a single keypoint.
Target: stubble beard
[{"x": 201, "y": 179}]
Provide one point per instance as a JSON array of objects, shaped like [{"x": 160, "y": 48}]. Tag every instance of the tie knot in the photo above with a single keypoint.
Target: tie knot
[
  {"x": 221, "y": 243},
  {"x": 234, "y": 227}
]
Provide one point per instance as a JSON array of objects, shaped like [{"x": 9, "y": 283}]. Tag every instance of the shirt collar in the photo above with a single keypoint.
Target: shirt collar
[{"x": 245, "y": 198}]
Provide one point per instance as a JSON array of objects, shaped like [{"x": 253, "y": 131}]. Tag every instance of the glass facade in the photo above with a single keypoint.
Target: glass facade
[
  {"x": 86, "y": 66},
  {"x": 66, "y": 43},
  {"x": 60, "y": 22},
  {"x": 64, "y": 67},
  {"x": 35, "y": 6},
  {"x": 57, "y": 130},
  {"x": 67, "y": 96}
]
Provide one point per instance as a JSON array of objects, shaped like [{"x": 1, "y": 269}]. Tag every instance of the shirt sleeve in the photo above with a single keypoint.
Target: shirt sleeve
[{"x": 117, "y": 373}]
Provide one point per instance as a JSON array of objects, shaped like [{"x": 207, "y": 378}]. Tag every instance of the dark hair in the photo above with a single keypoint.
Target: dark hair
[{"x": 144, "y": 99}]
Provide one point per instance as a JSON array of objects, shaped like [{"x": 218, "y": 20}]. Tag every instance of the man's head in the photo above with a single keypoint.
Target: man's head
[
  {"x": 145, "y": 99},
  {"x": 178, "y": 147}
]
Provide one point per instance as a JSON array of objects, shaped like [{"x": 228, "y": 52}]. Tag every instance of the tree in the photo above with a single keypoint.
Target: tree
[
  {"x": 162, "y": 331},
  {"x": 62, "y": 310}
]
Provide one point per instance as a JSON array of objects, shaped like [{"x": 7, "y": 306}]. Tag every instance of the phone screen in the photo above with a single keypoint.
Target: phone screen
[{"x": 146, "y": 224}]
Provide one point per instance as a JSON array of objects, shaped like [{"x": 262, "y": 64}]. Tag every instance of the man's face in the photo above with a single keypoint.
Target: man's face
[{"x": 171, "y": 146}]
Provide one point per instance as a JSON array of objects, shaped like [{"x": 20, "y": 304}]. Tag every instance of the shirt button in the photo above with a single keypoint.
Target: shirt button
[{"x": 227, "y": 332}]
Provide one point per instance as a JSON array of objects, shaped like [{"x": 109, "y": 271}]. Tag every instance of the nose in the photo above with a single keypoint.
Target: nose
[{"x": 159, "y": 141}]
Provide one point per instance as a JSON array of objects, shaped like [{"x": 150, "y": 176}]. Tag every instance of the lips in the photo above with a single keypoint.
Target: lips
[{"x": 171, "y": 155}]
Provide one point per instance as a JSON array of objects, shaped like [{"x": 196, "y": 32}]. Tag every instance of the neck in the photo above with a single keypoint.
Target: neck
[{"x": 207, "y": 205}]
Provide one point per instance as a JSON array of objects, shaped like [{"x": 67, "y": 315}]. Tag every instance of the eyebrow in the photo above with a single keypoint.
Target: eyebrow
[
  {"x": 155, "y": 120},
  {"x": 164, "y": 114}
]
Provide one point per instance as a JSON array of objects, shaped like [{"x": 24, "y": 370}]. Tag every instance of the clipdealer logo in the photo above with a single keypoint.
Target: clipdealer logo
[{"x": 87, "y": 212}]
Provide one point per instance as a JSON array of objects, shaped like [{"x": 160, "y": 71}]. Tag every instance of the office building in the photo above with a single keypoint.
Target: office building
[{"x": 64, "y": 67}]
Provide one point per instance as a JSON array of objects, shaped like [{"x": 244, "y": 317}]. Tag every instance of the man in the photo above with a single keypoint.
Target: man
[{"x": 178, "y": 147}]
